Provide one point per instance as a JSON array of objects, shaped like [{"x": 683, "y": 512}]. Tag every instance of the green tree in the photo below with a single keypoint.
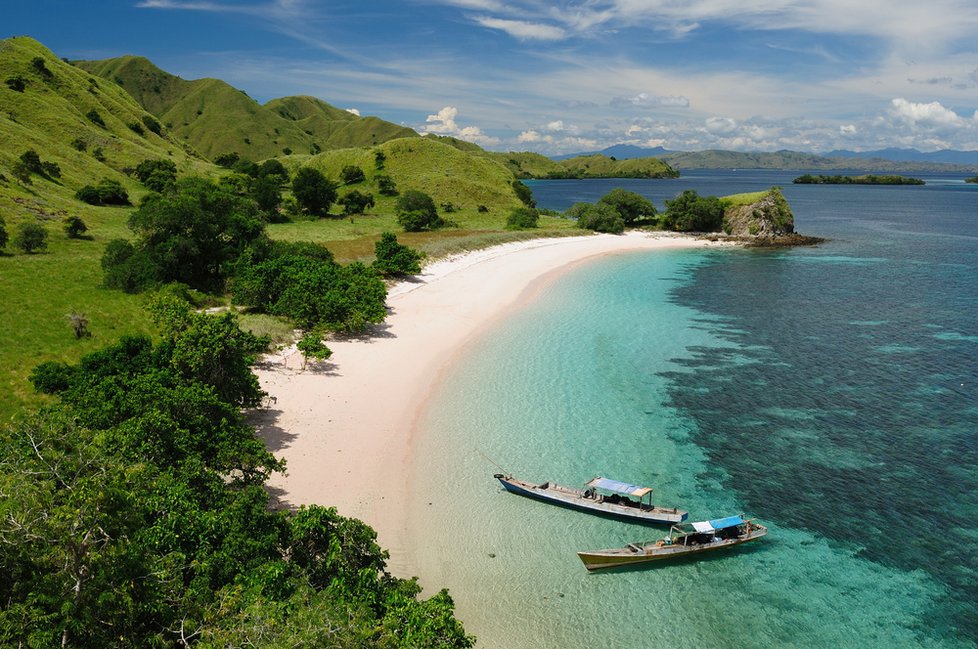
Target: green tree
[
  {"x": 75, "y": 227},
  {"x": 158, "y": 175},
  {"x": 356, "y": 202},
  {"x": 32, "y": 161},
  {"x": 267, "y": 193},
  {"x": 311, "y": 345},
  {"x": 352, "y": 174},
  {"x": 190, "y": 234},
  {"x": 107, "y": 192},
  {"x": 690, "y": 212},
  {"x": 386, "y": 185},
  {"x": 273, "y": 168},
  {"x": 31, "y": 237},
  {"x": 524, "y": 193},
  {"x": 599, "y": 217},
  {"x": 522, "y": 218},
  {"x": 379, "y": 159},
  {"x": 416, "y": 212},
  {"x": 395, "y": 259},
  {"x": 632, "y": 207},
  {"x": 314, "y": 192}
]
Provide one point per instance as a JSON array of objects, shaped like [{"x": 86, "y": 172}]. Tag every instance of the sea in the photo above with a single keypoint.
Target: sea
[{"x": 831, "y": 392}]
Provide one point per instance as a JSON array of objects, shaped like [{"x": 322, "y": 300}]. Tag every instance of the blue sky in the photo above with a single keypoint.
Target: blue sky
[{"x": 571, "y": 75}]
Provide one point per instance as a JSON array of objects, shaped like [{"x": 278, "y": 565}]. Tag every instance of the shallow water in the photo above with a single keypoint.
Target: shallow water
[{"x": 829, "y": 391}]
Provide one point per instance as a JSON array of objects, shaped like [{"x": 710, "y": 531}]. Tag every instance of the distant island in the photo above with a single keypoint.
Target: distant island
[
  {"x": 972, "y": 180},
  {"x": 866, "y": 179}
]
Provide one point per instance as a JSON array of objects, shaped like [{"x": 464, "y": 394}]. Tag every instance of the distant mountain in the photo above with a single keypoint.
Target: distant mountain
[
  {"x": 944, "y": 156},
  {"x": 884, "y": 160},
  {"x": 215, "y": 118}
]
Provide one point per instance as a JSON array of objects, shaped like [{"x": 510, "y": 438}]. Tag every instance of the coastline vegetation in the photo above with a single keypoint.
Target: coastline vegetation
[
  {"x": 972, "y": 180},
  {"x": 866, "y": 179}
]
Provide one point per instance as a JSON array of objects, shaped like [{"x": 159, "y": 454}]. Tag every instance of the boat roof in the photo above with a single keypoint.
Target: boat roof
[
  {"x": 619, "y": 487},
  {"x": 717, "y": 524}
]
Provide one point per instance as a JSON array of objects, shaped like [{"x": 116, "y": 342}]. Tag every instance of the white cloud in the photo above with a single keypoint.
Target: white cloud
[
  {"x": 556, "y": 126},
  {"x": 443, "y": 123},
  {"x": 523, "y": 30},
  {"x": 646, "y": 100},
  {"x": 355, "y": 111},
  {"x": 848, "y": 129},
  {"x": 721, "y": 125},
  {"x": 931, "y": 115}
]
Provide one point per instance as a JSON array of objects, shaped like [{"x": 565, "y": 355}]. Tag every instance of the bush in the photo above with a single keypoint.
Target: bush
[
  {"x": 314, "y": 192},
  {"x": 385, "y": 185},
  {"x": 395, "y": 259},
  {"x": 75, "y": 227},
  {"x": 98, "y": 154},
  {"x": 31, "y": 237},
  {"x": 158, "y": 175},
  {"x": 17, "y": 84},
  {"x": 356, "y": 202},
  {"x": 152, "y": 124},
  {"x": 599, "y": 217},
  {"x": 4, "y": 237},
  {"x": 522, "y": 218},
  {"x": 226, "y": 160},
  {"x": 632, "y": 207},
  {"x": 690, "y": 212},
  {"x": 524, "y": 194},
  {"x": 416, "y": 212},
  {"x": 32, "y": 162},
  {"x": 95, "y": 118},
  {"x": 351, "y": 174},
  {"x": 79, "y": 144},
  {"x": 107, "y": 192},
  {"x": 137, "y": 128}
]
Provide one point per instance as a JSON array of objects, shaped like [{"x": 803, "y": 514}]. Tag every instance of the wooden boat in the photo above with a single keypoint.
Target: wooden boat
[
  {"x": 600, "y": 496},
  {"x": 684, "y": 540}
]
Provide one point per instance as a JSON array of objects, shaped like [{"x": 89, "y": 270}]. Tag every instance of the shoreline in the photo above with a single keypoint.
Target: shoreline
[{"x": 347, "y": 427}]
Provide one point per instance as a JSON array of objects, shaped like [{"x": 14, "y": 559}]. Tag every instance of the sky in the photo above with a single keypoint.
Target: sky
[{"x": 571, "y": 75}]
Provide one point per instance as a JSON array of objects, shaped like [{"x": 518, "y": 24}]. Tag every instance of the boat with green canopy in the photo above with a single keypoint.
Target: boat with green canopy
[
  {"x": 602, "y": 496},
  {"x": 684, "y": 539}
]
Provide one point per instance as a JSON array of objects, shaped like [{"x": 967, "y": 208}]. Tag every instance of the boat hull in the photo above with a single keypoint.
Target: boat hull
[
  {"x": 574, "y": 499},
  {"x": 633, "y": 554}
]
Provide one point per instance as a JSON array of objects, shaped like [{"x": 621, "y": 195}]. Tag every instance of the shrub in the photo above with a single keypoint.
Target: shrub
[
  {"x": 4, "y": 237},
  {"x": 32, "y": 161},
  {"x": 75, "y": 227},
  {"x": 51, "y": 169},
  {"x": 98, "y": 154},
  {"x": 522, "y": 218},
  {"x": 17, "y": 84},
  {"x": 524, "y": 194},
  {"x": 152, "y": 124},
  {"x": 599, "y": 217},
  {"x": 137, "y": 128},
  {"x": 95, "y": 118},
  {"x": 79, "y": 144},
  {"x": 631, "y": 206},
  {"x": 158, "y": 175},
  {"x": 31, "y": 237},
  {"x": 351, "y": 174},
  {"x": 38, "y": 64},
  {"x": 395, "y": 259},
  {"x": 416, "y": 212},
  {"x": 226, "y": 160},
  {"x": 379, "y": 158},
  {"x": 385, "y": 185},
  {"x": 107, "y": 192},
  {"x": 356, "y": 202}
]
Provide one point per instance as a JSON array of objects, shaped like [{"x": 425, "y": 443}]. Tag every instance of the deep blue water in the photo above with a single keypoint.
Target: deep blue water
[{"x": 831, "y": 391}]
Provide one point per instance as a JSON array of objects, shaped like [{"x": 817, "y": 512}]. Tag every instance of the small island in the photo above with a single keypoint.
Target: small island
[
  {"x": 972, "y": 180},
  {"x": 866, "y": 179}
]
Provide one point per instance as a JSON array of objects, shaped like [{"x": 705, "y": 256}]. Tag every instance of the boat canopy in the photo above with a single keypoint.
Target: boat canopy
[
  {"x": 717, "y": 524},
  {"x": 619, "y": 487}
]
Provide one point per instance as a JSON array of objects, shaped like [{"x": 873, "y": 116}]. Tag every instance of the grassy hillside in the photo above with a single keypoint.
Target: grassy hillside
[
  {"x": 215, "y": 118},
  {"x": 534, "y": 165}
]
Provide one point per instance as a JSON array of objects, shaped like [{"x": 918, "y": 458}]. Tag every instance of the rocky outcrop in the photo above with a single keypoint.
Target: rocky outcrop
[{"x": 767, "y": 218}]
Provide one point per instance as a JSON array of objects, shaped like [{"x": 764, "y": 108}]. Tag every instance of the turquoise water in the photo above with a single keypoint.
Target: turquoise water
[{"x": 829, "y": 391}]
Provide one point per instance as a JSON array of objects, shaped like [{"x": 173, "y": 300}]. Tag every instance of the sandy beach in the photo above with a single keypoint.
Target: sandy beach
[{"x": 346, "y": 427}]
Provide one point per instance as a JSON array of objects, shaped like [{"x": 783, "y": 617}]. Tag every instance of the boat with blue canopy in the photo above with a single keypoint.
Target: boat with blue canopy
[
  {"x": 684, "y": 539},
  {"x": 602, "y": 496}
]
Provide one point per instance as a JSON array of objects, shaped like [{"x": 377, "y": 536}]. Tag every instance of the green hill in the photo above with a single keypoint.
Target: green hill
[
  {"x": 535, "y": 165},
  {"x": 215, "y": 118}
]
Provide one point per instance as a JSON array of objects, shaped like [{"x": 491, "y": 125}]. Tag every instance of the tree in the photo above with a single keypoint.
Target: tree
[
  {"x": 107, "y": 192},
  {"x": 273, "y": 168},
  {"x": 395, "y": 259},
  {"x": 356, "y": 202},
  {"x": 599, "y": 217},
  {"x": 379, "y": 158},
  {"x": 31, "y": 237},
  {"x": 386, "y": 185},
  {"x": 690, "y": 212},
  {"x": 314, "y": 192},
  {"x": 75, "y": 227},
  {"x": 631, "y": 207},
  {"x": 32, "y": 161},
  {"x": 158, "y": 175},
  {"x": 524, "y": 193},
  {"x": 311, "y": 345},
  {"x": 226, "y": 160},
  {"x": 522, "y": 218},
  {"x": 190, "y": 234},
  {"x": 416, "y": 212},
  {"x": 351, "y": 174},
  {"x": 267, "y": 193}
]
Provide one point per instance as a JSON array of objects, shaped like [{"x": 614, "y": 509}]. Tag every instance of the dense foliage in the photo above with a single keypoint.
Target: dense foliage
[
  {"x": 866, "y": 179},
  {"x": 690, "y": 212},
  {"x": 395, "y": 259},
  {"x": 356, "y": 202},
  {"x": 189, "y": 234},
  {"x": 31, "y": 237},
  {"x": 633, "y": 208},
  {"x": 4, "y": 236},
  {"x": 135, "y": 514},
  {"x": 107, "y": 192},
  {"x": 522, "y": 218},
  {"x": 310, "y": 289},
  {"x": 158, "y": 175},
  {"x": 74, "y": 227},
  {"x": 599, "y": 217},
  {"x": 313, "y": 191},
  {"x": 416, "y": 212}
]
